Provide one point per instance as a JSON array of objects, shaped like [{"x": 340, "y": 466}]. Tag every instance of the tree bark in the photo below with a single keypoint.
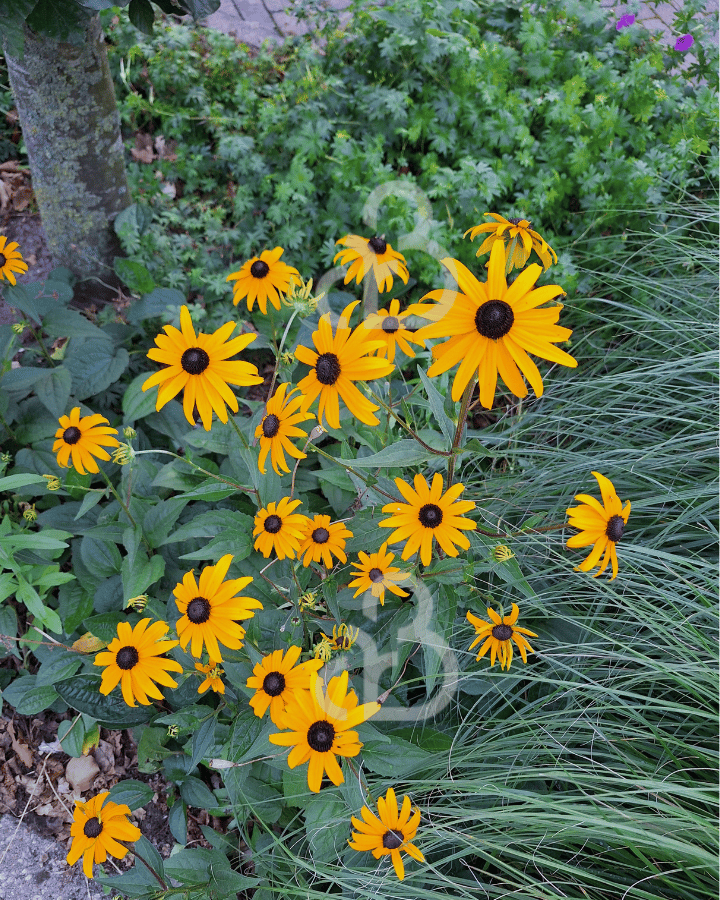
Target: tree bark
[{"x": 66, "y": 104}]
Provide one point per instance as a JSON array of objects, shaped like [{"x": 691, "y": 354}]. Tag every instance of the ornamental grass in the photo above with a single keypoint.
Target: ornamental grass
[{"x": 293, "y": 581}]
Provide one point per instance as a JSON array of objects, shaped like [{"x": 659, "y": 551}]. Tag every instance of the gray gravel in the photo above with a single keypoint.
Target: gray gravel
[{"x": 34, "y": 868}]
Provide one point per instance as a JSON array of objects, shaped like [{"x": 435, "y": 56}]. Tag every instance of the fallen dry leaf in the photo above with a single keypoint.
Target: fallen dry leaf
[{"x": 81, "y": 772}]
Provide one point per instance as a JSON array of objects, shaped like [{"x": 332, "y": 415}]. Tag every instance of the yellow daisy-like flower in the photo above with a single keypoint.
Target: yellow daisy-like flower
[
  {"x": 387, "y": 325},
  {"x": 429, "y": 514},
  {"x": 200, "y": 365},
  {"x": 81, "y": 439},
  {"x": 601, "y": 524},
  {"x": 275, "y": 679},
  {"x": 210, "y": 610},
  {"x": 262, "y": 278},
  {"x": 10, "y": 261},
  {"x": 323, "y": 649},
  {"x": 389, "y": 833},
  {"x": 278, "y": 426},
  {"x": 376, "y": 574},
  {"x": 321, "y": 726},
  {"x": 279, "y": 529},
  {"x": 498, "y": 635},
  {"x": 517, "y": 239},
  {"x": 343, "y": 637},
  {"x": 96, "y": 829},
  {"x": 338, "y": 362},
  {"x": 322, "y": 540},
  {"x": 492, "y": 326},
  {"x": 134, "y": 659},
  {"x": 213, "y": 677},
  {"x": 374, "y": 255}
]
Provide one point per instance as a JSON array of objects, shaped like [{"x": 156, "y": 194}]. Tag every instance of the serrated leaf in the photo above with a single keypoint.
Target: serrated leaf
[
  {"x": 133, "y": 273},
  {"x": 155, "y": 304},
  {"x": 62, "y": 666},
  {"x": 102, "y": 558},
  {"x": 137, "y": 404},
  {"x": 94, "y": 364},
  {"x": 63, "y": 322},
  {"x": 82, "y": 692}
]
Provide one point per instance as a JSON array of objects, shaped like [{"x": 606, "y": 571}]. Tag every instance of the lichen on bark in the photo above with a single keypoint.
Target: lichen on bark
[{"x": 66, "y": 104}]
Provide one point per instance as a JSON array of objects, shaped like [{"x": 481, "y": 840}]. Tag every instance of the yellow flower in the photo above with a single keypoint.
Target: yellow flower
[
  {"x": 343, "y": 637},
  {"x": 199, "y": 365},
  {"x": 502, "y": 553},
  {"x": 322, "y": 540},
  {"x": 387, "y": 326},
  {"x": 376, "y": 574},
  {"x": 279, "y": 529},
  {"x": 53, "y": 482},
  {"x": 323, "y": 649},
  {"x": 517, "y": 239},
  {"x": 262, "y": 278},
  {"x": 320, "y": 726},
  {"x": 429, "y": 514},
  {"x": 374, "y": 255},
  {"x": 390, "y": 833},
  {"x": 139, "y": 603},
  {"x": 96, "y": 830},
  {"x": 600, "y": 524},
  {"x": 123, "y": 455},
  {"x": 279, "y": 425},
  {"x": 339, "y": 361},
  {"x": 491, "y": 327},
  {"x": 211, "y": 610},
  {"x": 275, "y": 678},
  {"x": 82, "y": 439},
  {"x": 213, "y": 677},
  {"x": 134, "y": 659},
  {"x": 10, "y": 261},
  {"x": 498, "y": 635}
]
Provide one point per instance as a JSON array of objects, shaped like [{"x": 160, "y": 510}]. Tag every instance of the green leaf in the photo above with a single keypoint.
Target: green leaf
[
  {"x": 133, "y": 273},
  {"x": 64, "y": 322},
  {"x": 27, "y": 594},
  {"x": 210, "y": 489},
  {"x": 61, "y": 665},
  {"x": 23, "y": 379},
  {"x": 396, "y": 759},
  {"x": 326, "y": 826},
  {"x": 82, "y": 692},
  {"x": 400, "y": 454},
  {"x": 8, "y": 621},
  {"x": 196, "y": 793},
  {"x": 142, "y": 17},
  {"x": 102, "y": 558},
  {"x": 151, "y": 749},
  {"x": 105, "y": 625},
  {"x": 94, "y": 364},
  {"x": 160, "y": 518},
  {"x": 138, "y": 578},
  {"x": 27, "y": 697},
  {"x": 54, "y": 391},
  {"x": 91, "y": 499},
  {"x": 71, "y": 734},
  {"x": 247, "y": 728},
  {"x": 200, "y": 9},
  {"x": 13, "y": 482},
  {"x": 155, "y": 304},
  {"x": 437, "y": 404},
  {"x": 177, "y": 821},
  {"x": 74, "y": 605},
  {"x": 203, "y": 738},
  {"x": 59, "y": 20},
  {"x": 136, "y": 404},
  {"x": 132, "y": 793}
]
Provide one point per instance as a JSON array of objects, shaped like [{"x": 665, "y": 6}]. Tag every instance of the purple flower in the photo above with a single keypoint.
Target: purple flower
[
  {"x": 625, "y": 21},
  {"x": 684, "y": 43}
]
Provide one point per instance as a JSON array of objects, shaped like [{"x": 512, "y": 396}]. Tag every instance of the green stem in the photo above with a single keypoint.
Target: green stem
[
  {"x": 405, "y": 426},
  {"x": 239, "y": 433},
  {"x": 467, "y": 394},
  {"x": 279, "y": 352},
  {"x": 42, "y": 346},
  {"x": 9, "y": 429},
  {"x": 238, "y": 487},
  {"x": 150, "y": 869},
  {"x": 123, "y": 505}
]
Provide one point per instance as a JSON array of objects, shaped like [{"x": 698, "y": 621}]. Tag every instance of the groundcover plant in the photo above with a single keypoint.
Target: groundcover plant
[{"x": 294, "y": 587}]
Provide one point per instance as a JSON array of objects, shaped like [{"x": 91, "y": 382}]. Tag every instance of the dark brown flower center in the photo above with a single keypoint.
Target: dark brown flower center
[
  {"x": 72, "y": 435},
  {"x": 93, "y": 827},
  {"x": 377, "y": 245},
  {"x": 615, "y": 528},
  {"x": 320, "y": 736},
  {"x": 390, "y": 324},
  {"x": 195, "y": 360},
  {"x": 272, "y": 524},
  {"x": 3, "y": 260},
  {"x": 494, "y": 319},
  {"x": 517, "y": 221},
  {"x": 393, "y": 839},
  {"x": 270, "y": 425},
  {"x": 430, "y": 515},
  {"x": 198, "y": 610},
  {"x": 375, "y": 575},
  {"x": 274, "y": 684},
  {"x": 502, "y": 632},
  {"x": 343, "y": 642},
  {"x": 259, "y": 269},
  {"x": 327, "y": 368},
  {"x": 127, "y": 657},
  {"x": 320, "y": 535}
]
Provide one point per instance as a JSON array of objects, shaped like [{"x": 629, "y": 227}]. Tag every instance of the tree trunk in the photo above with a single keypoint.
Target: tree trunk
[{"x": 69, "y": 118}]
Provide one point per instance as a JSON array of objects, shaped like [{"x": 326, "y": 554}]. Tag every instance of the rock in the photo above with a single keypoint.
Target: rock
[{"x": 81, "y": 773}]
